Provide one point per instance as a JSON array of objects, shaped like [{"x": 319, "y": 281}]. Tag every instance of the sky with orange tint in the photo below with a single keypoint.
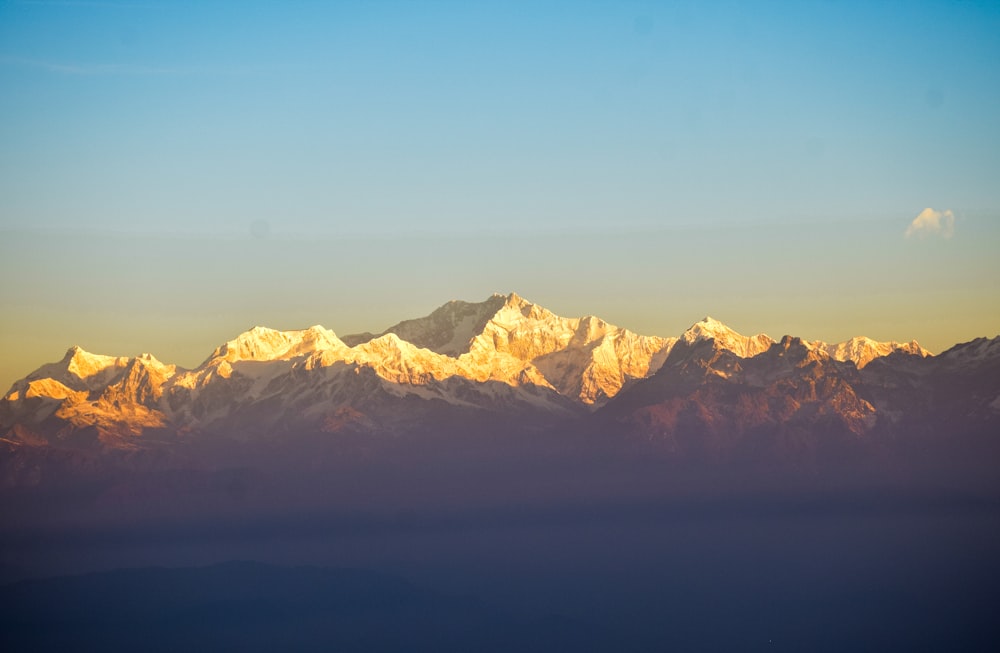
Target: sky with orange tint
[{"x": 172, "y": 173}]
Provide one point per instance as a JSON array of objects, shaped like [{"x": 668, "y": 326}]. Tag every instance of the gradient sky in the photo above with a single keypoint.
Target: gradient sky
[{"x": 172, "y": 173}]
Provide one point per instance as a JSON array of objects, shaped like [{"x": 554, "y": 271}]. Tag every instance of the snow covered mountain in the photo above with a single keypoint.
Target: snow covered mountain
[
  {"x": 861, "y": 350},
  {"x": 504, "y": 357},
  {"x": 507, "y": 337},
  {"x": 742, "y": 346}
]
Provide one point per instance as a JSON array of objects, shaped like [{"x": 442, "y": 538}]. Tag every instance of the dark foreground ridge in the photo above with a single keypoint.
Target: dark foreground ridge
[{"x": 249, "y": 606}]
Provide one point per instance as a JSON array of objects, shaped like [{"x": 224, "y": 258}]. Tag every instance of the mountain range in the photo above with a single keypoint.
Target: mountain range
[{"x": 508, "y": 365}]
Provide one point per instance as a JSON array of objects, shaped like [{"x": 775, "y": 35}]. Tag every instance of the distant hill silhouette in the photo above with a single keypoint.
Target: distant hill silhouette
[{"x": 248, "y": 606}]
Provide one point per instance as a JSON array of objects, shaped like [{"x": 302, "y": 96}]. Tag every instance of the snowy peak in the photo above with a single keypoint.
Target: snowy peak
[
  {"x": 141, "y": 382},
  {"x": 264, "y": 344},
  {"x": 447, "y": 330},
  {"x": 584, "y": 358},
  {"x": 706, "y": 328},
  {"x": 514, "y": 304},
  {"x": 862, "y": 350},
  {"x": 399, "y": 361},
  {"x": 974, "y": 352},
  {"x": 510, "y": 339},
  {"x": 725, "y": 337},
  {"x": 85, "y": 365},
  {"x": 114, "y": 394},
  {"x": 77, "y": 371}
]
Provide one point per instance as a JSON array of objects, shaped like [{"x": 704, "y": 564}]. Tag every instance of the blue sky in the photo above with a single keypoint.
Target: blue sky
[{"x": 646, "y": 155}]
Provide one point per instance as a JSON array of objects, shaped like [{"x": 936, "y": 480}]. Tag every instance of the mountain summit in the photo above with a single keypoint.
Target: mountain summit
[
  {"x": 743, "y": 346},
  {"x": 507, "y": 336},
  {"x": 504, "y": 357}
]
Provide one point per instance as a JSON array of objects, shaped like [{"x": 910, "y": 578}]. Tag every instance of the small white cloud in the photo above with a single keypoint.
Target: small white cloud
[{"x": 932, "y": 223}]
